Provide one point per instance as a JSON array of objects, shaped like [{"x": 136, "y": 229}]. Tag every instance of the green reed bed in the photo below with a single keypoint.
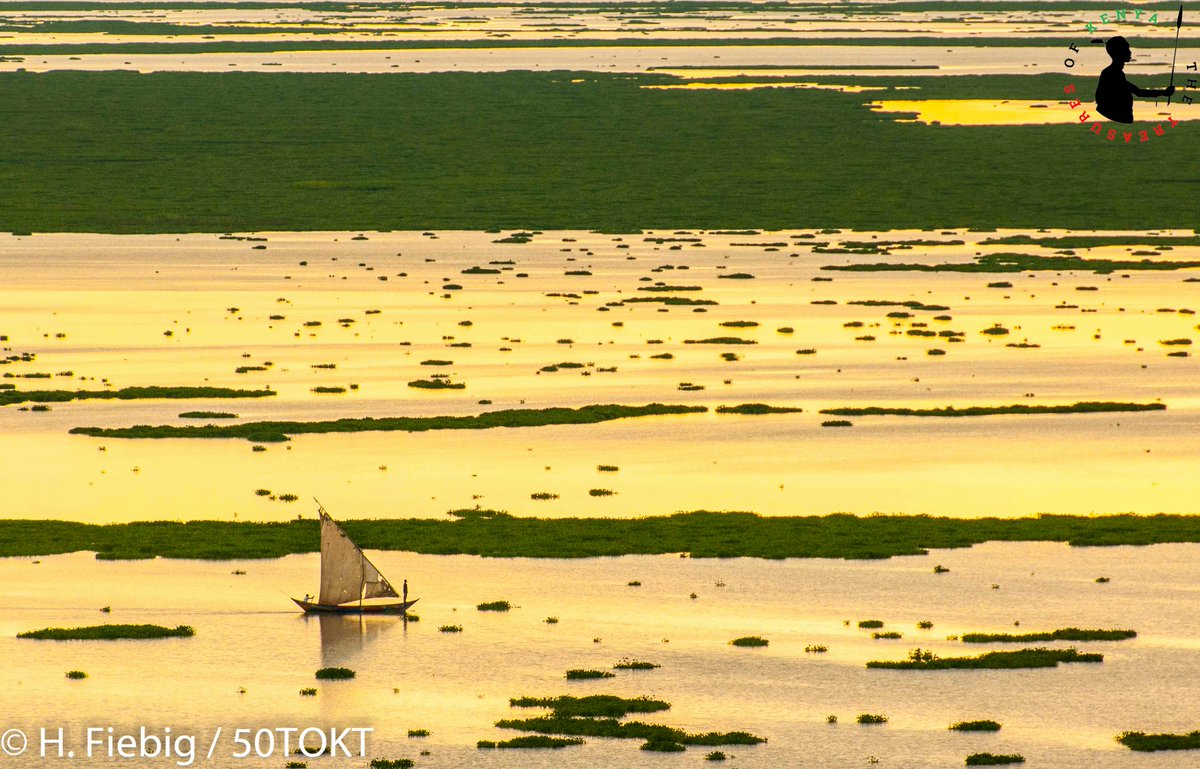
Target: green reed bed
[
  {"x": 227, "y": 140},
  {"x": 757, "y": 408},
  {"x": 975, "y": 726},
  {"x": 1094, "y": 241},
  {"x": 109, "y": 633},
  {"x": 263, "y": 432},
  {"x": 127, "y": 393},
  {"x": 750, "y": 640},
  {"x": 994, "y": 759},
  {"x": 1062, "y": 634},
  {"x": 531, "y": 741},
  {"x": 1025, "y": 658},
  {"x": 1150, "y": 743},
  {"x": 491, "y": 533},
  {"x": 1002, "y": 263},
  {"x": 599, "y": 716}
]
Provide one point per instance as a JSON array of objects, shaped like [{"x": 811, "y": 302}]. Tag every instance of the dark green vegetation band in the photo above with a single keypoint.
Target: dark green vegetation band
[
  {"x": 1149, "y": 743},
  {"x": 1024, "y": 658},
  {"x": 109, "y": 633},
  {"x": 183, "y": 152},
  {"x": 127, "y": 393},
  {"x": 1082, "y": 407},
  {"x": 1025, "y": 263},
  {"x": 493, "y": 534},
  {"x": 1062, "y": 634},
  {"x": 274, "y": 432}
]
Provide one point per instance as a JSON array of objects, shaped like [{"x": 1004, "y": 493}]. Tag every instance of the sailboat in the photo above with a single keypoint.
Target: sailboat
[{"x": 350, "y": 583}]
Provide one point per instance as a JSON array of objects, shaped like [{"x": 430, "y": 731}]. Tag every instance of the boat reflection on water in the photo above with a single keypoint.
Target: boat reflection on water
[{"x": 345, "y": 637}]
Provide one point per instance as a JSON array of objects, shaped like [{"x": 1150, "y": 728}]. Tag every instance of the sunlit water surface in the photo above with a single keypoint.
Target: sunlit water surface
[
  {"x": 457, "y": 685},
  {"x": 115, "y": 299}
]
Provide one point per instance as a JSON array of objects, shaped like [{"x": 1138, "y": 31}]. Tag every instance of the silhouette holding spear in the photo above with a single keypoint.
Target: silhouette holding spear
[{"x": 1114, "y": 94}]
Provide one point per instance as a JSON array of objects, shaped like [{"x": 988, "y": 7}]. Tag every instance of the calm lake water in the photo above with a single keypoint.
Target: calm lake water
[
  {"x": 457, "y": 685},
  {"x": 101, "y": 311}
]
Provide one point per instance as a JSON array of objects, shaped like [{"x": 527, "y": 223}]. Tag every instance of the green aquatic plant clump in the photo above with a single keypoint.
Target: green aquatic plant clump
[
  {"x": 1081, "y": 407},
  {"x": 128, "y": 393},
  {"x": 392, "y": 763},
  {"x": 109, "y": 633},
  {"x": 531, "y": 741},
  {"x": 757, "y": 408},
  {"x": 1004, "y": 263},
  {"x": 1094, "y": 241},
  {"x": 1150, "y": 743},
  {"x": 994, "y": 759},
  {"x": 611, "y": 727},
  {"x": 975, "y": 726},
  {"x": 1062, "y": 634},
  {"x": 750, "y": 640},
  {"x": 592, "y": 706},
  {"x": 494, "y": 606},
  {"x": 436, "y": 384},
  {"x": 1025, "y": 658},
  {"x": 579, "y": 674},
  {"x": 280, "y": 431},
  {"x": 335, "y": 674},
  {"x": 208, "y": 415},
  {"x": 911, "y": 304}
]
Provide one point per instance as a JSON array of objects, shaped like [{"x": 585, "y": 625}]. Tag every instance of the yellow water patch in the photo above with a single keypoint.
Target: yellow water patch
[
  {"x": 980, "y": 111},
  {"x": 768, "y": 84},
  {"x": 1009, "y": 112}
]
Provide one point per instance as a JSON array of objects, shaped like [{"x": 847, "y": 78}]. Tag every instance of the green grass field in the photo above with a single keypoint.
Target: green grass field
[
  {"x": 171, "y": 152},
  {"x": 498, "y": 535}
]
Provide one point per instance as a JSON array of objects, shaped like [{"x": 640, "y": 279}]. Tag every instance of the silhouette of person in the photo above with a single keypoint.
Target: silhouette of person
[
  {"x": 1114, "y": 94},
  {"x": 404, "y": 591}
]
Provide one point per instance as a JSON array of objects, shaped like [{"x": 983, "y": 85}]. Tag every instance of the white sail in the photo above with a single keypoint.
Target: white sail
[
  {"x": 341, "y": 565},
  {"x": 375, "y": 585},
  {"x": 346, "y": 574}
]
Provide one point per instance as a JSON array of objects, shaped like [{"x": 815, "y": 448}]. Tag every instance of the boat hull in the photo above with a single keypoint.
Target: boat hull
[{"x": 398, "y": 607}]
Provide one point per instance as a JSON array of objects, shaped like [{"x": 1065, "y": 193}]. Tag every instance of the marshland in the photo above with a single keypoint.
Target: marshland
[
  {"x": 1087, "y": 391},
  {"x": 568, "y": 354},
  {"x": 405, "y": 674}
]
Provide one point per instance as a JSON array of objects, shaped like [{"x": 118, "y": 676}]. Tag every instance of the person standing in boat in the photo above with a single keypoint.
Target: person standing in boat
[
  {"x": 404, "y": 592},
  {"x": 1114, "y": 94}
]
